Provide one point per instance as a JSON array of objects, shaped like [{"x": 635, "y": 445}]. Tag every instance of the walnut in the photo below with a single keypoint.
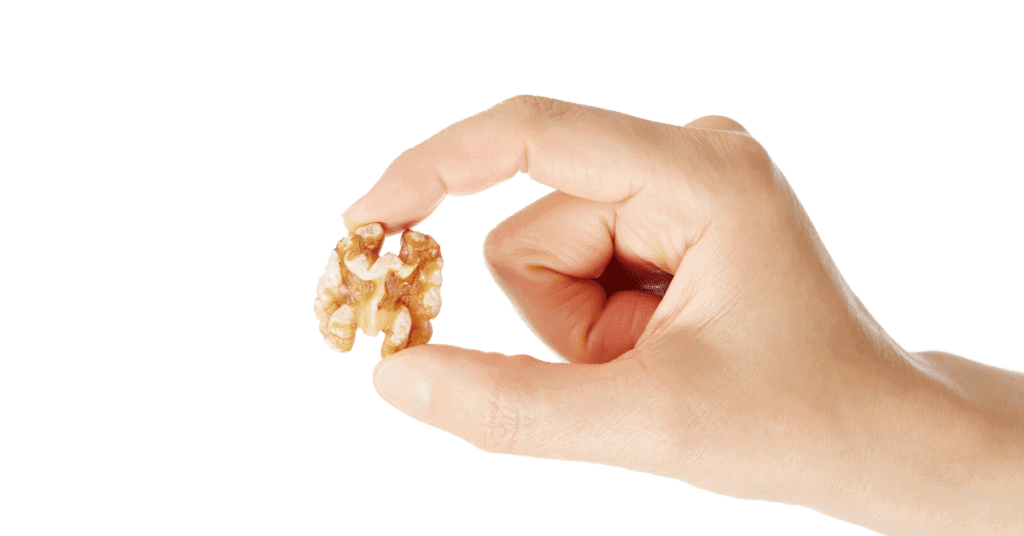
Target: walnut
[{"x": 396, "y": 294}]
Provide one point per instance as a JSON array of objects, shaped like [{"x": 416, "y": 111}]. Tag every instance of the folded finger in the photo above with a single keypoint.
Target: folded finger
[{"x": 549, "y": 259}]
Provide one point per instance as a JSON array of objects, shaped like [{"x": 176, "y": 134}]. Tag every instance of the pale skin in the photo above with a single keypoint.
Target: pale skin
[{"x": 742, "y": 363}]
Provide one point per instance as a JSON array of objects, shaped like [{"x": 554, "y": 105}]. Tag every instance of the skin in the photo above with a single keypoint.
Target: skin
[{"x": 709, "y": 336}]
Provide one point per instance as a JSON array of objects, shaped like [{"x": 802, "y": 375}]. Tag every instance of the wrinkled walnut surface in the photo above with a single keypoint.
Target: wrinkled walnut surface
[{"x": 396, "y": 294}]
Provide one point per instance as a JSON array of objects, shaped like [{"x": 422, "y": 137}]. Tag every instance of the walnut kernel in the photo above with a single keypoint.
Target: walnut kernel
[{"x": 396, "y": 294}]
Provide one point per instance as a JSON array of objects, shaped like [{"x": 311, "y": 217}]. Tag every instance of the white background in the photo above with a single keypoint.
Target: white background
[{"x": 174, "y": 173}]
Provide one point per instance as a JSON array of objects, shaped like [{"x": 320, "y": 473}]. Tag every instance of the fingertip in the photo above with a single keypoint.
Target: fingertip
[
  {"x": 396, "y": 209},
  {"x": 376, "y": 371},
  {"x": 350, "y": 217},
  {"x": 403, "y": 384},
  {"x": 406, "y": 355},
  {"x": 360, "y": 214},
  {"x": 366, "y": 209}
]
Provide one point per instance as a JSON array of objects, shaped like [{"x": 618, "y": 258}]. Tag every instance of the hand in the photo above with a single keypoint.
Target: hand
[{"x": 756, "y": 373}]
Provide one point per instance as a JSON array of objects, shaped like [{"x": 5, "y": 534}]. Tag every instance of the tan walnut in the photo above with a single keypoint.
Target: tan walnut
[{"x": 396, "y": 294}]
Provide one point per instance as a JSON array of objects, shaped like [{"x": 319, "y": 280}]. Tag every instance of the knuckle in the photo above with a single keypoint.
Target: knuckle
[
  {"x": 539, "y": 108},
  {"x": 719, "y": 122},
  {"x": 750, "y": 150},
  {"x": 731, "y": 152},
  {"x": 503, "y": 424},
  {"x": 753, "y": 156}
]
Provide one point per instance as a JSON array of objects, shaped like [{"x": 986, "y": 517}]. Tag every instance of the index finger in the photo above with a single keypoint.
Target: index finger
[{"x": 585, "y": 152}]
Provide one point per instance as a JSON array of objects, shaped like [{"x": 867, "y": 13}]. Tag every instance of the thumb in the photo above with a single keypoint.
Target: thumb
[{"x": 521, "y": 405}]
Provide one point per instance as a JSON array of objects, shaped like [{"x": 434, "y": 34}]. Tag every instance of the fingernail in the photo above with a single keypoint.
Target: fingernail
[{"x": 404, "y": 385}]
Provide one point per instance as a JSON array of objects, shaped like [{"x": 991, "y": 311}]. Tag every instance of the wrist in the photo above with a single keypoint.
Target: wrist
[{"x": 935, "y": 447}]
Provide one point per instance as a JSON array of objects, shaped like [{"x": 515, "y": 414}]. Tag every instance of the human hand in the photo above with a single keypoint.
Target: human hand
[{"x": 757, "y": 374}]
